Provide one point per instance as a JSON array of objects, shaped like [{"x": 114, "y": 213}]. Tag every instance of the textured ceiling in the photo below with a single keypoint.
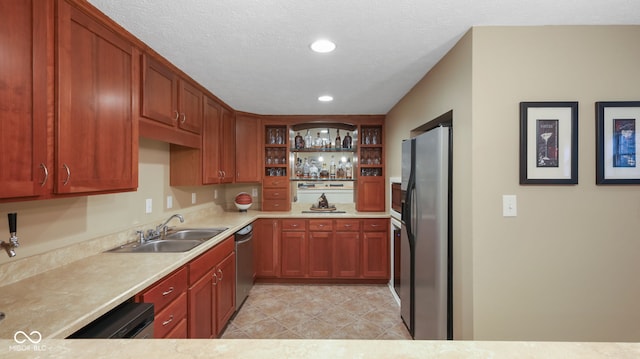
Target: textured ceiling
[{"x": 254, "y": 54}]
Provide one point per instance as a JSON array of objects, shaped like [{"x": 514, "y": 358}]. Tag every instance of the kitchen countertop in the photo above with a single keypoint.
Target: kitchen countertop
[
  {"x": 59, "y": 301},
  {"x": 311, "y": 349}
]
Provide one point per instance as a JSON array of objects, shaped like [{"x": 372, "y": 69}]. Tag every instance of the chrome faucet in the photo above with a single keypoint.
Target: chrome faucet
[
  {"x": 162, "y": 229},
  {"x": 159, "y": 232}
]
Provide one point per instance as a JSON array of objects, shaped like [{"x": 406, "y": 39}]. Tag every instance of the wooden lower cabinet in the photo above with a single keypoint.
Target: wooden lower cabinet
[
  {"x": 211, "y": 290},
  {"x": 169, "y": 298},
  {"x": 197, "y": 300},
  {"x": 322, "y": 249},
  {"x": 266, "y": 234},
  {"x": 293, "y": 254}
]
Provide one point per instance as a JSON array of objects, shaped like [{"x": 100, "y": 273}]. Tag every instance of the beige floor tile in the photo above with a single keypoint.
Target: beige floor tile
[{"x": 285, "y": 311}]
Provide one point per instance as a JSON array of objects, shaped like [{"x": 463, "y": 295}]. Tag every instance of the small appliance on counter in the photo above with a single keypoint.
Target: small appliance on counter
[{"x": 243, "y": 201}]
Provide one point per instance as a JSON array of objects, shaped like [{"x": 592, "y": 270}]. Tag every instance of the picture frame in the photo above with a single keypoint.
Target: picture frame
[
  {"x": 617, "y": 140},
  {"x": 549, "y": 142}
]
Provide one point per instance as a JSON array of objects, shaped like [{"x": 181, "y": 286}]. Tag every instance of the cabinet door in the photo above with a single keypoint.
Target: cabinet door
[
  {"x": 23, "y": 90},
  {"x": 211, "y": 138},
  {"x": 159, "y": 92},
  {"x": 320, "y": 254},
  {"x": 97, "y": 138},
  {"x": 375, "y": 255},
  {"x": 294, "y": 254},
  {"x": 228, "y": 155},
  {"x": 369, "y": 190},
  {"x": 346, "y": 255},
  {"x": 190, "y": 99},
  {"x": 201, "y": 307},
  {"x": 267, "y": 248},
  {"x": 225, "y": 292},
  {"x": 248, "y": 149}
]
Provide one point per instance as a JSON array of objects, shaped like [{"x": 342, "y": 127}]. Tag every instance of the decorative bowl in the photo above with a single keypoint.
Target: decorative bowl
[{"x": 243, "y": 201}]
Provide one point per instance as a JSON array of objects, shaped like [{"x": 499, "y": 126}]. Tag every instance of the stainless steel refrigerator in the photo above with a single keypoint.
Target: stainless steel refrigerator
[{"x": 425, "y": 275}]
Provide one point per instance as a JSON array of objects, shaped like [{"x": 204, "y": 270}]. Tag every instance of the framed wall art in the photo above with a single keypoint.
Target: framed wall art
[
  {"x": 617, "y": 136},
  {"x": 548, "y": 142}
]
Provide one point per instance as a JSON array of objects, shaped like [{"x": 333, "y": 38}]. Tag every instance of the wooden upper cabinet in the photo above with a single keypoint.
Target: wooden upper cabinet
[
  {"x": 191, "y": 108},
  {"x": 248, "y": 148},
  {"x": 159, "y": 92},
  {"x": 97, "y": 137},
  {"x": 211, "y": 146},
  {"x": 24, "y": 147},
  {"x": 228, "y": 146},
  {"x": 171, "y": 107}
]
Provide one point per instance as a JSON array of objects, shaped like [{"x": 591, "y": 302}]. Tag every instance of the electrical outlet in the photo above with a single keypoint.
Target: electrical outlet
[
  {"x": 169, "y": 202},
  {"x": 215, "y": 194},
  {"x": 148, "y": 206},
  {"x": 193, "y": 198},
  {"x": 254, "y": 192}
]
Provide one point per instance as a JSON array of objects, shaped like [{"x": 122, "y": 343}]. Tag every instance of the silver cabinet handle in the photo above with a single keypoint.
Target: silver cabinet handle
[
  {"x": 219, "y": 271},
  {"x": 347, "y": 225},
  {"x": 224, "y": 174},
  {"x": 168, "y": 292},
  {"x": 215, "y": 282},
  {"x": 184, "y": 118},
  {"x": 177, "y": 115},
  {"x": 220, "y": 174},
  {"x": 64, "y": 165},
  {"x": 294, "y": 225},
  {"x": 168, "y": 320},
  {"x": 46, "y": 174}
]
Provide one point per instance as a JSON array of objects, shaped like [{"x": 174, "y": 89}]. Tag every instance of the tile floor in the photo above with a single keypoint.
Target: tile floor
[{"x": 285, "y": 311}]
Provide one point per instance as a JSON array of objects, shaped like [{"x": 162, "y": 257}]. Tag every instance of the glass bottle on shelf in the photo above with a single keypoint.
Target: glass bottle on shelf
[
  {"x": 348, "y": 169},
  {"x": 308, "y": 140},
  {"x": 299, "y": 141},
  {"x": 305, "y": 169},
  {"x": 340, "y": 171},
  {"x": 332, "y": 168},
  {"x": 313, "y": 170},
  {"x": 338, "y": 143},
  {"x": 319, "y": 143},
  {"x": 346, "y": 143},
  {"x": 324, "y": 173}
]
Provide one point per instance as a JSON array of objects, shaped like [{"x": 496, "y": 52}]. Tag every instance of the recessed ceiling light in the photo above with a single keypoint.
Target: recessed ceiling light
[
  {"x": 325, "y": 98},
  {"x": 323, "y": 45}
]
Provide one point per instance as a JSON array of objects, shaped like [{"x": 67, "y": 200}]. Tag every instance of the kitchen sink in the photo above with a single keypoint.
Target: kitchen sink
[
  {"x": 181, "y": 240},
  {"x": 193, "y": 233}
]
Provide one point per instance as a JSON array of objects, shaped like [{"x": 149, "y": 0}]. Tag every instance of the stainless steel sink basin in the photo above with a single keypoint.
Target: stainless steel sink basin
[
  {"x": 159, "y": 246},
  {"x": 193, "y": 233},
  {"x": 181, "y": 240}
]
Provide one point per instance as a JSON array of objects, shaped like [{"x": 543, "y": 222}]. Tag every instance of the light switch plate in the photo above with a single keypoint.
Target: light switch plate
[
  {"x": 254, "y": 192},
  {"x": 193, "y": 198},
  {"x": 148, "y": 208},
  {"x": 509, "y": 205}
]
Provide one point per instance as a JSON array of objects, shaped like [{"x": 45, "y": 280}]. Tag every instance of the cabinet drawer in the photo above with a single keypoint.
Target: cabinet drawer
[
  {"x": 170, "y": 317},
  {"x": 275, "y": 182},
  {"x": 275, "y": 193},
  {"x": 294, "y": 225},
  {"x": 179, "y": 331},
  {"x": 380, "y": 224},
  {"x": 165, "y": 290},
  {"x": 201, "y": 265},
  {"x": 275, "y": 205},
  {"x": 347, "y": 225},
  {"x": 320, "y": 225}
]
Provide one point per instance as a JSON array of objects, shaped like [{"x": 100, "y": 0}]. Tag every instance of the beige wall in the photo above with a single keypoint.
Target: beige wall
[
  {"x": 446, "y": 87},
  {"x": 51, "y": 224},
  {"x": 566, "y": 267}
]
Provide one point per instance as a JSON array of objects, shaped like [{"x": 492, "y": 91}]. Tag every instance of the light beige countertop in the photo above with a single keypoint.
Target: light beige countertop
[
  {"x": 59, "y": 300},
  {"x": 312, "y": 349}
]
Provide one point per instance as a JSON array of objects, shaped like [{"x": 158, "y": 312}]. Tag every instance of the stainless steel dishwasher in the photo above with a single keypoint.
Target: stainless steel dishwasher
[
  {"x": 128, "y": 320},
  {"x": 244, "y": 264}
]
